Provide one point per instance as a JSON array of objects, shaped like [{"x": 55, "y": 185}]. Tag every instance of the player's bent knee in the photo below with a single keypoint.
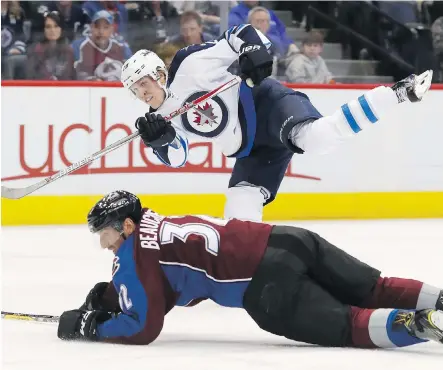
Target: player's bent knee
[{"x": 245, "y": 201}]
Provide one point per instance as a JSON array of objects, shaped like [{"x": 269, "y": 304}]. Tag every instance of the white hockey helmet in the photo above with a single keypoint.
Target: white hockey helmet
[{"x": 142, "y": 63}]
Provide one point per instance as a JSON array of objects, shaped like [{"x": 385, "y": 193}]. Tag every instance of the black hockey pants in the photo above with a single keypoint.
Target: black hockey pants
[{"x": 304, "y": 287}]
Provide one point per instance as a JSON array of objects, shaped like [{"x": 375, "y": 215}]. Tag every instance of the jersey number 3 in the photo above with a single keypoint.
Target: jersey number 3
[{"x": 211, "y": 236}]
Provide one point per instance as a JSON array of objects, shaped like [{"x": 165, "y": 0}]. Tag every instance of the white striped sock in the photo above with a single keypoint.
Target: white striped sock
[{"x": 428, "y": 297}]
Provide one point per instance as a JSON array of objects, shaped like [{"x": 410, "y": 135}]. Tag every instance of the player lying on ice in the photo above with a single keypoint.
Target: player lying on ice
[
  {"x": 261, "y": 127},
  {"x": 291, "y": 282}
]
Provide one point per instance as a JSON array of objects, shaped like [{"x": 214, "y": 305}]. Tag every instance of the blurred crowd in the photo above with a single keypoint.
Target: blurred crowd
[{"x": 90, "y": 40}]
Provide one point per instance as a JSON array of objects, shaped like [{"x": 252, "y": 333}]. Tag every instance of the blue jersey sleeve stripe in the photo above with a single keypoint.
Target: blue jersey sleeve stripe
[
  {"x": 247, "y": 103},
  {"x": 350, "y": 118},
  {"x": 367, "y": 109}
]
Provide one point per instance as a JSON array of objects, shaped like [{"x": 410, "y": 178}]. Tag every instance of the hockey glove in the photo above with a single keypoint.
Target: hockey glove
[
  {"x": 79, "y": 324},
  {"x": 255, "y": 62},
  {"x": 154, "y": 130},
  {"x": 95, "y": 299}
]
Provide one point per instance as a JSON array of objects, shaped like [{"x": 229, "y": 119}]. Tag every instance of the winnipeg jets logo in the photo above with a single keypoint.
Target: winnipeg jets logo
[
  {"x": 115, "y": 265},
  {"x": 205, "y": 115},
  {"x": 208, "y": 119}
]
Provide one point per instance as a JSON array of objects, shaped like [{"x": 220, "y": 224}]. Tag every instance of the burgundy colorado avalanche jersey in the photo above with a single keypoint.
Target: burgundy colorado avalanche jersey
[{"x": 180, "y": 261}]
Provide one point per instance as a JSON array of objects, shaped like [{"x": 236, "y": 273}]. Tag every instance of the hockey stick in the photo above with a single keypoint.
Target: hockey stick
[
  {"x": 17, "y": 193},
  {"x": 29, "y": 317}
]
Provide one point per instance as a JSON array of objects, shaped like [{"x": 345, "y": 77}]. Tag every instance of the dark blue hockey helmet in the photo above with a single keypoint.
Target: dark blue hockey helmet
[{"x": 113, "y": 209}]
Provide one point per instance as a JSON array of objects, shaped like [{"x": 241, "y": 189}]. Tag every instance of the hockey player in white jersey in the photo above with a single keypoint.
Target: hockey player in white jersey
[{"x": 262, "y": 127}]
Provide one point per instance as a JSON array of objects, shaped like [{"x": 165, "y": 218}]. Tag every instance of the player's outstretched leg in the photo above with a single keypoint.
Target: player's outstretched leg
[
  {"x": 390, "y": 292},
  {"x": 352, "y": 281},
  {"x": 389, "y": 328},
  {"x": 308, "y": 290},
  {"x": 284, "y": 301},
  {"x": 321, "y": 135}
]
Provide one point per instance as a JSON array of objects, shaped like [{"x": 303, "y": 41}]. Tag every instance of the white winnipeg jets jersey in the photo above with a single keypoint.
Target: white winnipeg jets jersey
[{"x": 196, "y": 70}]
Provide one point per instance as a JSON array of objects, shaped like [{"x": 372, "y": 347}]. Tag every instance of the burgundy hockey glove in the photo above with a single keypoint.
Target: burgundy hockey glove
[
  {"x": 255, "y": 62},
  {"x": 154, "y": 130},
  {"x": 79, "y": 324}
]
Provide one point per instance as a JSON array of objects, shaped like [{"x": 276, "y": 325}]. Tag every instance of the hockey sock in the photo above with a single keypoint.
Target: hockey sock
[
  {"x": 402, "y": 293},
  {"x": 323, "y": 134},
  {"x": 381, "y": 328}
]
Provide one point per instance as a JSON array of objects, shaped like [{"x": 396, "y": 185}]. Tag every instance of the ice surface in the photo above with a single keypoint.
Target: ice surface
[{"x": 47, "y": 270}]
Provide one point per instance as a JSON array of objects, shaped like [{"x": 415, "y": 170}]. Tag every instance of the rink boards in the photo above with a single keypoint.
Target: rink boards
[{"x": 392, "y": 170}]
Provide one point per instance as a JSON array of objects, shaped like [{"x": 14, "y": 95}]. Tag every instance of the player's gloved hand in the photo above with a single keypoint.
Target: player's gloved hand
[
  {"x": 94, "y": 298},
  {"x": 154, "y": 130},
  {"x": 255, "y": 62},
  {"x": 101, "y": 298},
  {"x": 80, "y": 324}
]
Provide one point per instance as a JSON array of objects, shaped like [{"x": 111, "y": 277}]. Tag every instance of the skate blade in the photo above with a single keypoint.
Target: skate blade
[{"x": 423, "y": 83}]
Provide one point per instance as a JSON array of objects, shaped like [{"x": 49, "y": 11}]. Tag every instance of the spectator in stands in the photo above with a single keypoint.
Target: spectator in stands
[
  {"x": 308, "y": 66},
  {"x": 100, "y": 56},
  {"x": 191, "y": 30},
  {"x": 166, "y": 52},
  {"x": 239, "y": 15},
  {"x": 52, "y": 58},
  {"x": 13, "y": 41},
  {"x": 72, "y": 15},
  {"x": 260, "y": 19},
  {"x": 209, "y": 12},
  {"x": 116, "y": 9}
]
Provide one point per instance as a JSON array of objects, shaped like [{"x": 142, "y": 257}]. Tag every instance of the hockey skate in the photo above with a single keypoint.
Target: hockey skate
[
  {"x": 413, "y": 87},
  {"x": 439, "y": 304},
  {"x": 424, "y": 324}
]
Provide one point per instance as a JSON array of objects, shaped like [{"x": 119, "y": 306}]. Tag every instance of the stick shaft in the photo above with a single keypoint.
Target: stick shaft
[
  {"x": 17, "y": 193},
  {"x": 29, "y": 317}
]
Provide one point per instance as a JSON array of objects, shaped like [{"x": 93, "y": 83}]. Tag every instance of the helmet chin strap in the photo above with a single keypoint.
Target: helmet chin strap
[{"x": 168, "y": 93}]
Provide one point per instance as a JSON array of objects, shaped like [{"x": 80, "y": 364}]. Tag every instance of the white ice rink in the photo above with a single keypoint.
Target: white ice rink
[{"x": 48, "y": 270}]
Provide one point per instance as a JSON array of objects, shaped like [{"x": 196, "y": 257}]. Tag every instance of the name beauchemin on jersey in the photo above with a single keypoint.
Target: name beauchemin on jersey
[{"x": 149, "y": 230}]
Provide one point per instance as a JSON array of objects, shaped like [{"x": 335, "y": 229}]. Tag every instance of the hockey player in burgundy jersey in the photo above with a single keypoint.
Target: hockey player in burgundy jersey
[{"x": 291, "y": 281}]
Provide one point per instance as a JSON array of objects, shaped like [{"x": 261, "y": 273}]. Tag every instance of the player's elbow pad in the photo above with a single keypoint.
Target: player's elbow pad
[{"x": 236, "y": 36}]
